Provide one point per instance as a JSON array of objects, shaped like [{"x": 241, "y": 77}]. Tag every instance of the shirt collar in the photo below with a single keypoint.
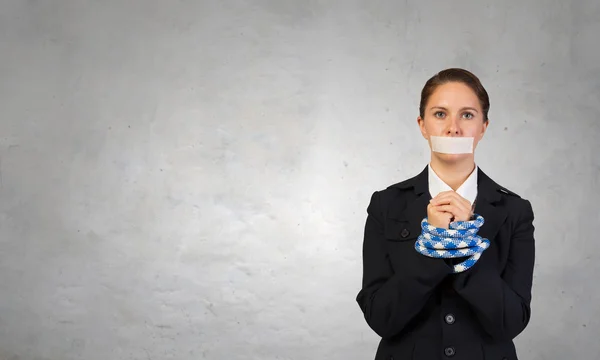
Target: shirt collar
[{"x": 468, "y": 189}]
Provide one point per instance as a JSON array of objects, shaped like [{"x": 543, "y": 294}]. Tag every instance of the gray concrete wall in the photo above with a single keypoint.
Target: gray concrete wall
[{"x": 189, "y": 179}]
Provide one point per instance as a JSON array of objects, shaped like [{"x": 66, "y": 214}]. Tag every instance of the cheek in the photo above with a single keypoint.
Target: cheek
[
  {"x": 434, "y": 129},
  {"x": 477, "y": 136},
  {"x": 474, "y": 132}
]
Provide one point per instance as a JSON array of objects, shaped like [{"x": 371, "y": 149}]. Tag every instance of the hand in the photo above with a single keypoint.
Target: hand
[
  {"x": 454, "y": 204},
  {"x": 438, "y": 217}
]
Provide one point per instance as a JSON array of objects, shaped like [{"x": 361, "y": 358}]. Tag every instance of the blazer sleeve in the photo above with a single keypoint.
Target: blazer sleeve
[
  {"x": 390, "y": 300},
  {"x": 502, "y": 301}
]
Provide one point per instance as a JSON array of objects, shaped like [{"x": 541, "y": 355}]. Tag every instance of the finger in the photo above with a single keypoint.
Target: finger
[
  {"x": 452, "y": 209},
  {"x": 458, "y": 204},
  {"x": 452, "y": 199},
  {"x": 444, "y": 208},
  {"x": 445, "y": 195}
]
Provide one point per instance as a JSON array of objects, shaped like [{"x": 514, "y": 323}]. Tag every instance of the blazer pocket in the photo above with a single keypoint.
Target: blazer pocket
[{"x": 400, "y": 230}]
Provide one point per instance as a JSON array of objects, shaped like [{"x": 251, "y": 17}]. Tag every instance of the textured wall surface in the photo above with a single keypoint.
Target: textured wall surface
[{"x": 189, "y": 179}]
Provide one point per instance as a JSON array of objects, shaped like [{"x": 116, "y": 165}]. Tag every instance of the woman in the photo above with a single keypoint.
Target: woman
[{"x": 448, "y": 255}]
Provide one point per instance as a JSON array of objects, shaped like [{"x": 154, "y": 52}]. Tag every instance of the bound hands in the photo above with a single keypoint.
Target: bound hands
[{"x": 446, "y": 207}]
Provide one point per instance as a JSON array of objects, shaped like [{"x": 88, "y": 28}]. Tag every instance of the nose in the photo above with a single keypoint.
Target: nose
[{"x": 452, "y": 129}]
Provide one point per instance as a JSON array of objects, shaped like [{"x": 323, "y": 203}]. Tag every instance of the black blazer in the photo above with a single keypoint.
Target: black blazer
[{"x": 423, "y": 311}]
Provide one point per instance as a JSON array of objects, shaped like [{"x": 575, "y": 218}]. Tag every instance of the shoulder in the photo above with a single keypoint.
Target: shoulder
[
  {"x": 397, "y": 189},
  {"x": 516, "y": 204},
  {"x": 519, "y": 210},
  {"x": 397, "y": 194},
  {"x": 510, "y": 197},
  {"x": 408, "y": 183}
]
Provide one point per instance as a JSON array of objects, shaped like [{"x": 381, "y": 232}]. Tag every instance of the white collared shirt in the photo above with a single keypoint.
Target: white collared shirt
[{"x": 468, "y": 189}]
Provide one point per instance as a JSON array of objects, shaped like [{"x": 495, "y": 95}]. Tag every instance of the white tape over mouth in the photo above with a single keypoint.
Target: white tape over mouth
[{"x": 452, "y": 145}]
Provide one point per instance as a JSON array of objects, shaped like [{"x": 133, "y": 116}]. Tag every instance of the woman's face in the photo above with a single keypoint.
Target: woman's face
[{"x": 453, "y": 109}]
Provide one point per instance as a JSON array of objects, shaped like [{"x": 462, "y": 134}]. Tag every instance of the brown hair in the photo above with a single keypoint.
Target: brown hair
[{"x": 455, "y": 75}]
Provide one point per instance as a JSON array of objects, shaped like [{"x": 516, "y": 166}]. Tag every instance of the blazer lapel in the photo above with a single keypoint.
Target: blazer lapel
[
  {"x": 486, "y": 205},
  {"x": 416, "y": 208}
]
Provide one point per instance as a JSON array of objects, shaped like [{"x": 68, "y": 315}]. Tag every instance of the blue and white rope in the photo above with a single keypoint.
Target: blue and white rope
[{"x": 460, "y": 240}]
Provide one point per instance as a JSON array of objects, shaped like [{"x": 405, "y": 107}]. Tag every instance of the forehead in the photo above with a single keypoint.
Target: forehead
[{"x": 454, "y": 95}]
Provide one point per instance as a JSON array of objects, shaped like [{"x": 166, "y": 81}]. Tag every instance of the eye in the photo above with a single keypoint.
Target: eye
[
  {"x": 438, "y": 114},
  {"x": 469, "y": 115}
]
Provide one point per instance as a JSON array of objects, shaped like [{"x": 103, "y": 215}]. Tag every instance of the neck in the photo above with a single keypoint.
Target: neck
[{"x": 454, "y": 174}]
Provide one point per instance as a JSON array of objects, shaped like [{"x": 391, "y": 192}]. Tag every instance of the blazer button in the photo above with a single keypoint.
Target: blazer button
[
  {"x": 449, "y": 319},
  {"x": 404, "y": 233},
  {"x": 449, "y": 351}
]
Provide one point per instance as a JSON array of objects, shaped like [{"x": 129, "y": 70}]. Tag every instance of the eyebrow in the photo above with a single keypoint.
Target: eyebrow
[{"x": 464, "y": 108}]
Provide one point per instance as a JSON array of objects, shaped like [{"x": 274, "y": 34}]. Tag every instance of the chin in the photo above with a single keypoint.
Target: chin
[{"x": 453, "y": 158}]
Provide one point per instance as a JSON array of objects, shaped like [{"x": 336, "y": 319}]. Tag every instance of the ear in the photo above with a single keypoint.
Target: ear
[
  {"x": 421, "y": 123},
  {"x": 485, "y": 125}
]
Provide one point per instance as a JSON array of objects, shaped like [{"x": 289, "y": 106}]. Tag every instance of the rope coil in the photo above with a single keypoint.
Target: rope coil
[{"x": 460, "y": 240}]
